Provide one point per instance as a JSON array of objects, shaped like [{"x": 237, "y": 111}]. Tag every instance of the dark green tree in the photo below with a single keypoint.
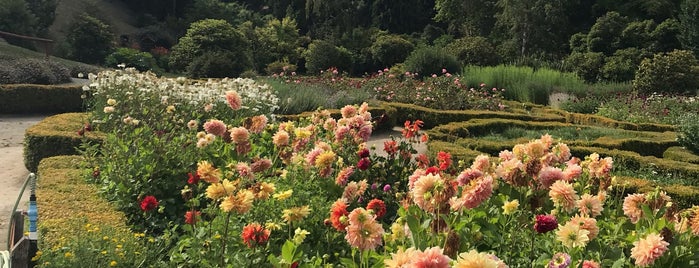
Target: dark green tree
[
  {"x": 689, "y": 25},
  {"x": 535, "y": 27},
  {"x": 89, "y": 40},
  {"x": 44, "y": 11},
  {"x": 401, "y": 17},
  {"x": 606, "y": 35},
  {"x": 16, "y": 18},
  {"x": 476, "y": 50},
  {"x": 468, "y": 18},
  {"x": 391, "y": 49},
  {"x": 675, "y": 72}
]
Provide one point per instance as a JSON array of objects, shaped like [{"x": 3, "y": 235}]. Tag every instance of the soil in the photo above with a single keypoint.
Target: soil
[{"x": 12, "y": 170}]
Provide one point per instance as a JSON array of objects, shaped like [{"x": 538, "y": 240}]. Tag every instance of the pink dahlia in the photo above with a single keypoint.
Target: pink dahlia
[
  {"x": 216, "y": 127},
  {"x": 363, "y": 232},
  {"x": 563, "y": 195},
  {"x": 240, "y": 134},
  {"x": 473, "y": 194},
  {"x": 632, "y": 206},
  {"x": 233, "y": 100},
  {"x": 590, "y": 205},
  {"x": 431, "y": 258}
]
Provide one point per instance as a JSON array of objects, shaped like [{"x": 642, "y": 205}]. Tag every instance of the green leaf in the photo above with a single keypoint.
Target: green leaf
[
  {"x": 619, "y": 263},
  {"x": 288, "y": 251}
]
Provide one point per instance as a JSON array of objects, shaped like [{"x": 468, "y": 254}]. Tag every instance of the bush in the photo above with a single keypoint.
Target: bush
[
  {"x": 688, "y": 132},
  {"x": 426, "y": 61},
  {"x": 89, "y": 39},
  {"x": 211, "y": 36},
  {"x": 675, "y": 72},
  {"x": 30, "y": 98},
  {"x": 586, "y": 65},
  {"x": 622, "y": 65},
  {"x": 278, "y": 67},
  {"x": 32, "y": 71},
  {"x": 586, "y": 105},
  {"x": 321, "y": 55},
  {"x": 216, "y": 64},
  {"x": 474, "y": 51},
  {"x": 388, "y": 50},
  {"x": 142, "y": 61}
]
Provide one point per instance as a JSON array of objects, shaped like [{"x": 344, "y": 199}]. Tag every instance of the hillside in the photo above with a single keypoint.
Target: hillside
[{"x": 112, "y": 12}]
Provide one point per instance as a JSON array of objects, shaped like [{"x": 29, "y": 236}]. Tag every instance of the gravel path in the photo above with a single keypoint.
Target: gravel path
[{"x": 12, "y": 170}]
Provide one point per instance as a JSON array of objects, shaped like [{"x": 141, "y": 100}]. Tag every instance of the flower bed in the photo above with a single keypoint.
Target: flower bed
[{"x": 237, "y": 189}]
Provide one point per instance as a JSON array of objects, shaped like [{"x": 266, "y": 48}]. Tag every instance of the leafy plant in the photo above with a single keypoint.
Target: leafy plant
[
  {"x": 426, "y": 61},
  {"x": 675, "y": 72},
  {"x": 688, "y": 128}
]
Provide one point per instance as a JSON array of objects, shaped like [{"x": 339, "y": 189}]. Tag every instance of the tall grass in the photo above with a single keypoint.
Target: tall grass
[
  {"x": 297, "y": 98},
  {"x": 523, "y": 83}
]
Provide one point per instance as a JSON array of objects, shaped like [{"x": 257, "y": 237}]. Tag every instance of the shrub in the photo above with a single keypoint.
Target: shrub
[
  {"x": 278, "y": 67},
  {"x": 688, "y": 132},
  {"x": 586, "y": 65},
  {"x": 675, "y": 72},
  {"x": 16, "y": 17},
  {"x": 32, "y": 71},
  {"x": 322, "y": 55},
  {"x": 89, "y": 40},
  {"x": 388, "y": 50},
  {"x": 426, "y": 61},
  {"x": 215, "y": 64},
  {"x": 474, "y": 51},
  {"x": 622, "y": 65},
  {"x": 142, "y": 61},
  {"x": 30, "y": 98},
  {"x": 586, "y": 105},
  {"x": 217, "y": 37}
]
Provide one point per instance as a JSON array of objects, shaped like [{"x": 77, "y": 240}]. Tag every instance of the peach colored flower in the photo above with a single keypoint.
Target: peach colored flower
[
  {"x": 432, "y": 257},
  {"x": 563, "y": 195},
  {"x": 466, "y": 176},
  {"x": 363, "y": 232},
  {"x": 646, "y": 250},
  {"x": 482, "y": 163},
  {"x": 694, "y": 220},
  {"x": 239, "y": 134},
  {"x": 216, "y": 127},
  {"x": 207, "y": 172},
  {"x": 259, "y": 122},
  {"x": 263, "y": 190},
  {"x": 572, "y": 172},
  {"x": 348, "y": 111},
  {"x": 240, "y": 203},
  {"x": 192, "y": 124},
  {"x": 587, "y": 223},
  {"x": 599, "y": 168},
  {"x": 416, "y": 175},
  {"x": 215, "y": 191},
  {"x": 632, "y": 206},
  {"x": 343, "y": 175},
  {"x": 473, "y": 194},
  {"x": 475, "y": 259},
  {"x": 401, "y": 258},
  {"x": 428, "y": 192},
  {"x": 281, "y": 138},
  {"x": 590, "y": 205},
  {"x": 233, "y": 100},
  {"x": 535, "y": 149},
  {"x": 512, "y": 172},
  {"x": 562, "y": 151},
  {"x": 590, "y": 264}
]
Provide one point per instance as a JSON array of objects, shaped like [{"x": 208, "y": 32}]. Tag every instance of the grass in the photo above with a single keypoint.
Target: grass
[
  {"x": 10, "y": 51},
  {"x": 564, "y": 133}
]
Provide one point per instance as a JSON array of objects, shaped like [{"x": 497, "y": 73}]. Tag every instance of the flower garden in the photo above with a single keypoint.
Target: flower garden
[{"x": 194, "y": 173}]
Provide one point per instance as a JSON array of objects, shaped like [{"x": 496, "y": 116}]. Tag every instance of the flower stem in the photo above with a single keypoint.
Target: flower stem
[{"x": 225, "y": 236}]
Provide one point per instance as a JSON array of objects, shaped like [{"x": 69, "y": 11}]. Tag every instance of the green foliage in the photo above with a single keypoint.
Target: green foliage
[
  {"x": 622, "y": 66},
  {"x": 688, "y": 128},
  {"x": 675, "y": 72},
  {"x": 605, "y": 35},
  {"x": 388, "y": 50},
  {"x": 426, "y": 61},
  {"x": 216, "y": 64},
  {"x": 578, "y": 43},
  {"x": 44, "y": 11},
  {"x": 31, "y": 98},
  {"x": 280, "y": 67},
  {"x": 15, "y": 17},
  {"x": 689, "y": 26},
  {"x": 638, "y": 34},
  {"x": 586, "y": 105},
  {"x": 655, "y": 108},
  {"x": 586, "y": 65},
  {"x": 142, "y": 61},
  {"x": 207, "y": 39},
  {"x": 666, "y": 36},
  {"x": 89, "y": 40},
  {"x": 232, "y": 12},
  {"x": 523, "y": 83},
  {"x": 32, "y": 71},
  {"x": 322, "y": 55},
  {"x": 475, "y": 50}
]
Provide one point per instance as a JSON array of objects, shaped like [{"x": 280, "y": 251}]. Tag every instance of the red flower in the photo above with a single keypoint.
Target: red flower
[
  {"x": 363, "y": 163},
  {"x": 149, "y": 203},
  {"x": 193, "y": 178},
  {"x": 363, "y": 153},
  {"x": 338, "y": 215},
  {"x": 254, "y": 234},
  {"x": 432, "y": 170},
  {"x": 444, "y": 160},
  {"x": 410, "y": 130},
  {"x": 378, "y": 206},
  {"x": 545, "y": 223},
  {"x": 390, "y": 147},
  {"x": 191, "y": 216}
]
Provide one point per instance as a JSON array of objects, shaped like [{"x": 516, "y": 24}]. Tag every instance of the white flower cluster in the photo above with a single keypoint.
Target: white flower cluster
[{"x": 259, "y": 98}]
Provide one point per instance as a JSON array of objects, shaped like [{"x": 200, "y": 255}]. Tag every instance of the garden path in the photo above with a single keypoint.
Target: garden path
[{"x": 12, "y": 170}]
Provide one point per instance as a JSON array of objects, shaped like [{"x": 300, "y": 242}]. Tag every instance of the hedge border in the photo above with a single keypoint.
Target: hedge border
[{"x": 30, "y": 98}]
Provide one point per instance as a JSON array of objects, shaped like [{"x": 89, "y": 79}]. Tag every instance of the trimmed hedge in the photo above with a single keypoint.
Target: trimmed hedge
[
  {"x": 64, "y": 198},
  {"x": 681, "y": 154},
  {"x": 647, "y": 143},
  {"x": 56, "y": 135},
  {"x": 683, "y": 196},
  {"x": 30, "y": 98}
]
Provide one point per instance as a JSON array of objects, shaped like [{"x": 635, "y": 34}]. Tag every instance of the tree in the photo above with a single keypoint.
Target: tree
[
  {"x": 401, "y": 17},
  {"x": 605, "y": 35},
  {"x": 89, "y": 39},
  {"x": 391, "y": 49},
  {"x": 15, "y": 17},
  {"x": 675, "y": 72},
  {"x": 208, "y": 36},
  {"x": 45, "y": 12},
  {"x": 476, "y": 50},
  {"x": 689, "y": 25},
  {"x": 536, "y": 27},
  {"x": 468, "y": 18}
]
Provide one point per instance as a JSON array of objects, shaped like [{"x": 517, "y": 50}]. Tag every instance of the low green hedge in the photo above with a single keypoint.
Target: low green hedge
[
  {"x": 56, "y": 135},
  {"x": 683, "y": 196},
  {"x": 30, "y": 98},
  {"x": 647, "y": 143},
  {"x": 64, "y": 198},
  {"x": 678, "y": 153}
]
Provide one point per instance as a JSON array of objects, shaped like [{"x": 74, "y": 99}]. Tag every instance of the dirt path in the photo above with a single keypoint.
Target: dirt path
[{"x": 12, "y": 170}]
